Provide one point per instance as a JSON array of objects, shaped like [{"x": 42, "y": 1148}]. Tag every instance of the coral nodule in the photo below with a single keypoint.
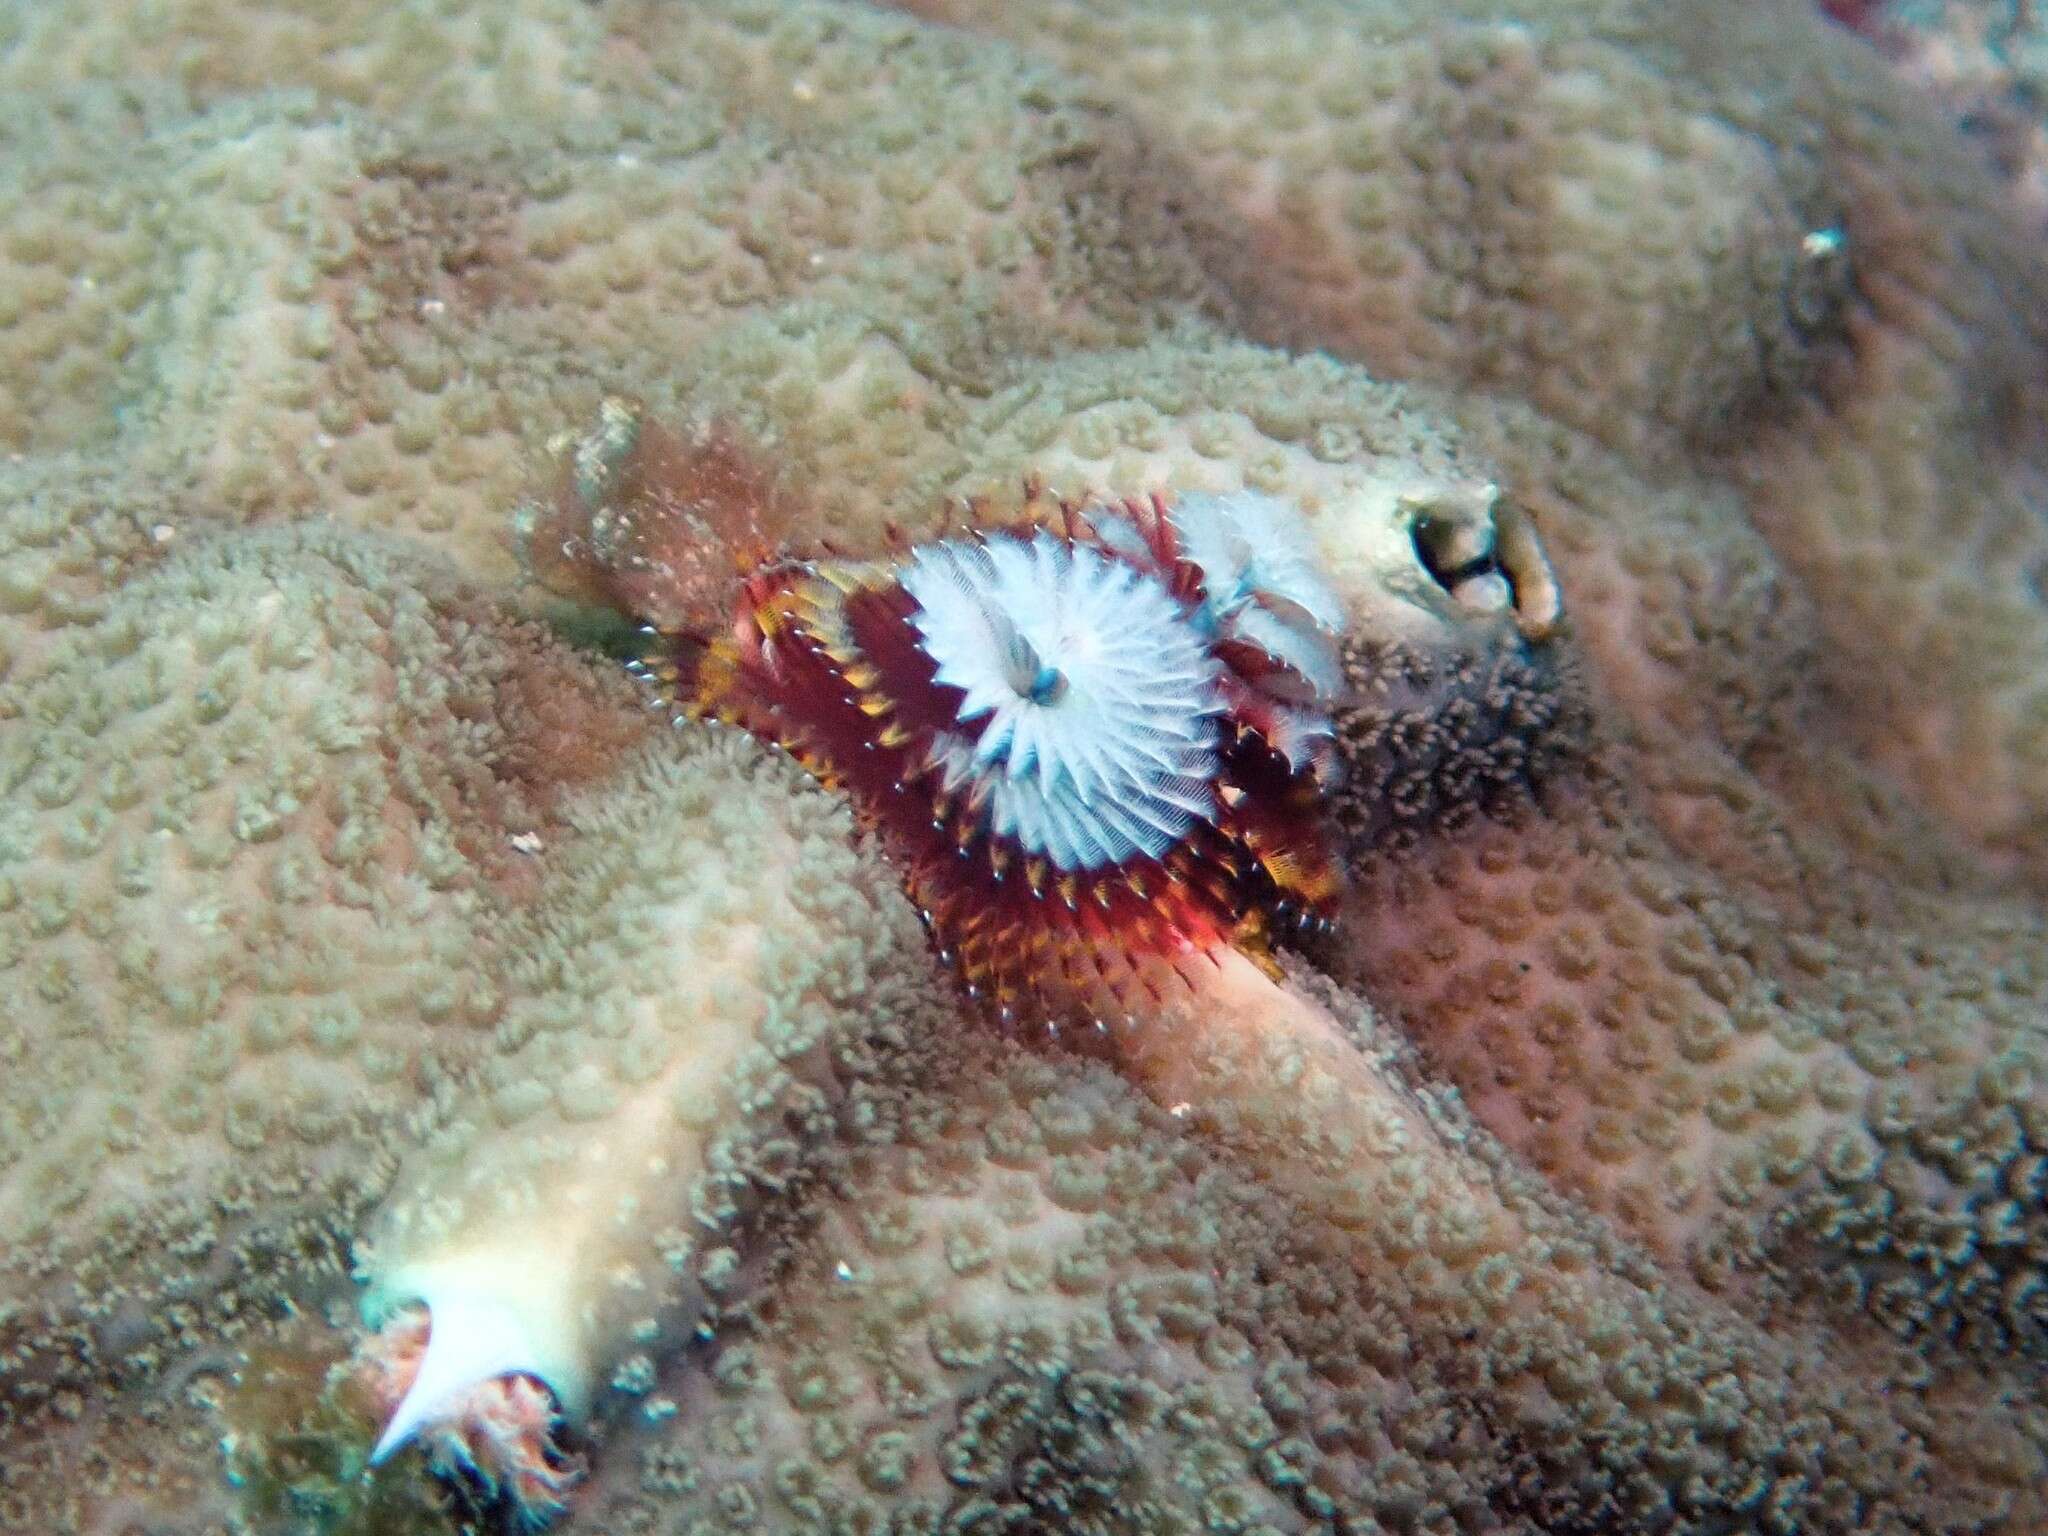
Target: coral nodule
[{"x": 1090, "y": 746}]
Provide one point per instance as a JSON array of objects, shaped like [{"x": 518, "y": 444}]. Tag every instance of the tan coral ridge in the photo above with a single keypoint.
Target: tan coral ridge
[{"x": 915, "y": 265}]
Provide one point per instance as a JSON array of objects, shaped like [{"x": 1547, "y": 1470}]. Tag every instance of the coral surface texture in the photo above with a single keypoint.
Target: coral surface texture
[{"x": 1465, "y": 583}]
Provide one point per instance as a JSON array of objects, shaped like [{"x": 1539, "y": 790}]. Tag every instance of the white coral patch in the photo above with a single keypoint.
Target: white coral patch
[{"x": 1088, "y": 729}]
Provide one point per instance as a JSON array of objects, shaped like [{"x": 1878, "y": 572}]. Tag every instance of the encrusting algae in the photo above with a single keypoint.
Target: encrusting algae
[{"x": 1651, "y": 1140}]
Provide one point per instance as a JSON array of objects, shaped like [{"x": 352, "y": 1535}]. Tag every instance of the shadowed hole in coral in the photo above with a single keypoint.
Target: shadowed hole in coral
[{"x": 1486, "y": 557}]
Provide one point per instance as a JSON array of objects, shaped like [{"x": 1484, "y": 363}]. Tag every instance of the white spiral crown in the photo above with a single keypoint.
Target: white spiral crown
[{"x": 1088, "y": 725}]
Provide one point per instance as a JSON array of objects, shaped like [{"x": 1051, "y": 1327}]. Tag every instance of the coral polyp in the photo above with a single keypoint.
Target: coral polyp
[{"x": 1087, "y": 751}]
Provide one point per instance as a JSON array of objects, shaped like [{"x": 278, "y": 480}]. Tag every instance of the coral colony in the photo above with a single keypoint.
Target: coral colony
[
  {"x": 1088, "y": 746},
  {"x": 1094, "y": 738},
  {"x": 414, "y": 1049}
]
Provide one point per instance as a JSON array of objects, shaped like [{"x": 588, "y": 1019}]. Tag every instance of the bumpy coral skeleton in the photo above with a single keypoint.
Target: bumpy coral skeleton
[{"x": 1655, "y": 1144}]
